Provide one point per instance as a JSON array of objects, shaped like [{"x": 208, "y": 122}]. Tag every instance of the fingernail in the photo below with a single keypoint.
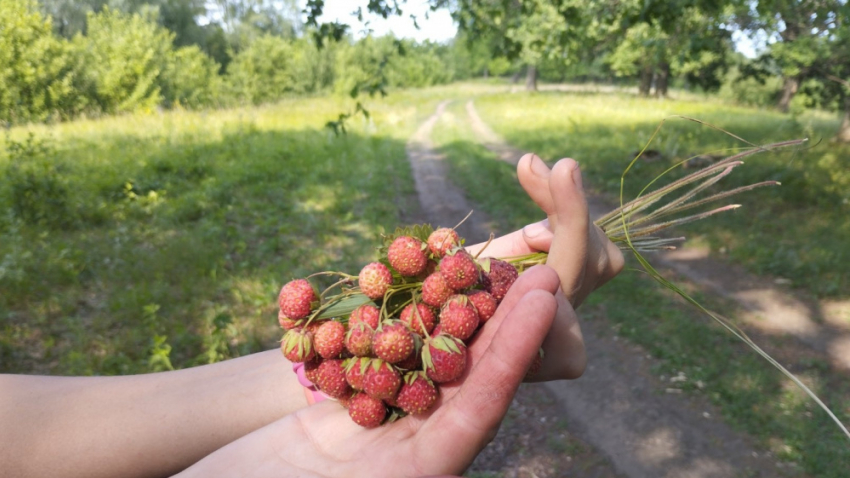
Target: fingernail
[
  {"x": 536, "y": 229},
  {"x": 538, "y": 167},
  {"x": 577, "y": 176}
]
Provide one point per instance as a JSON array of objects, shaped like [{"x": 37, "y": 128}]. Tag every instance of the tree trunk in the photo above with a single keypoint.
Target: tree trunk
[
  {"x": 486, "y": 72},
  {"x": 789, "y": 89},
  {"x": 531, "y": 78},
  {"x": 515, "y": 77},
  {"x": 645, "y": 81},
  {"x": 661, "y": 80},
  {"x": 844, "y": 130}
]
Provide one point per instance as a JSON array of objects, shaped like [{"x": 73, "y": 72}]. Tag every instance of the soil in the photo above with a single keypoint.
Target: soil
[{"x": 619, "y": 419}]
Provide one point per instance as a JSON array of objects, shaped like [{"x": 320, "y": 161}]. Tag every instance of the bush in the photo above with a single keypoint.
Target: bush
[
  {"x": 272, "y": 67},
  {"x": 751, "y": 91},
  {"x": 121, "y": 59},
  {"x": 191, "y": 79},
  {"x": 35, "y": 80}
]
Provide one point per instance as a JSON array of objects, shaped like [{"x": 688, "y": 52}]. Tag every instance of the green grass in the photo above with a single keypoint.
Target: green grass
[
  {"x": 136, "y": 243},
  {"x": 752, "y": 395},
  {"x": 799, "y": 231}
]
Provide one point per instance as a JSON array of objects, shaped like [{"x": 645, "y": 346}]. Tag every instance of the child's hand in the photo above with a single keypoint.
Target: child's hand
[{"x": 578, "y": 250}]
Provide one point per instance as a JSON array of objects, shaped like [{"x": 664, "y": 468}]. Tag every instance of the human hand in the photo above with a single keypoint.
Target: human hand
[
  {"x": 321, "y": 440},
  {"x": 578, "y": 250}
]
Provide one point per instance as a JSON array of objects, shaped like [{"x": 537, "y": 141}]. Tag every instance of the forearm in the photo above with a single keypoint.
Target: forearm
[{"x": 142, "y": 425}]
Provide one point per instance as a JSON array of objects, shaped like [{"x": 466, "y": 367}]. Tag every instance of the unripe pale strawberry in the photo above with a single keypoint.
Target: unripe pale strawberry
[
  {"x": 419, "y": 318},
  {"x": 484, "y": 303},
  {"x": 459, "y": 270},
  {"x": 382, "y": 380},
  {"x": 366, "y": 411},
  {"x": 392, "y": 342},
  {"x": 442, "y": 240},
  {"x": 374, "y": 280},
  {"x": 297, "y": 298},
  {"x": 407, "y": 256},
  {"x": 286, "y": 322},
  {"x": 366, "y": 313},
  {"x": 435, "y": 290},
  {"x": 331, "y": 378},
  {"x": 444, "y": 358},
  {"x": 458, "y": 317},
  {"x": 329, "y": 339},
  {"x": 417, "y": 394},
  {"x": 358, "y": 339},
  {"x": 355, "y": 372},
  {"x": 297, "y": 345},
  {"x": 497, "y": 277}
]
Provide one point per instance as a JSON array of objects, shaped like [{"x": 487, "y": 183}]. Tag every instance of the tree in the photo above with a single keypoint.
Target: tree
[
  {"x": 35, "y": 80},
  {"x": 799, "y": 32}
]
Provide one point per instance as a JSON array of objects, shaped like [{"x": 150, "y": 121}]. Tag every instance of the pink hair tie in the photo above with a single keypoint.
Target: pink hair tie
[{"x": 298, "y": 368}]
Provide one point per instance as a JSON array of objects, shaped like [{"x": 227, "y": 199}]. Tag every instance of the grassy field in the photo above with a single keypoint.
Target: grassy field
[
  {"x": 799, "y": 231},
  {"x": 752, "y": 395},
  {"x": 142, "y": 243}
]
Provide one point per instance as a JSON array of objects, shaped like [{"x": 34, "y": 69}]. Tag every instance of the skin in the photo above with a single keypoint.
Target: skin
[{"x": 253, "y": 407}]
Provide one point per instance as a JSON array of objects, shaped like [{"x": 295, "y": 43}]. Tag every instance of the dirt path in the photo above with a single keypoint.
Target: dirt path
[
  {"x": 627, "y": 414},
  {"x": 533, "y": 441}
]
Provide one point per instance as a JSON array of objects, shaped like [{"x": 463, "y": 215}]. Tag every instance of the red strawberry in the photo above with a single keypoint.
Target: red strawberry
[
  {"x": 297, "y": 298},
  {"x": 484, "y": 303},
  {"x": 417, "y": 394},
  {"x": 382, "y": 380},
  {"x": 407, "y": 256},
  {"x": 392, "y": 342},
  {"x": 297, "y": 345},
  {"x": 331, "y": 379},
  {"x": 311, "y": 369},
  {"x": 374, "y": 280},
  {"x": 355, "y": 372},
  {"x": 442, "y": 240},
  {"x": 419, "y": 318},
  {"x": 286, "y": 322},
  {"x": 459, "y": 317},
  {"x": 435, "y": 290},
  {"x": 445, "y": 358},
  {"x": 328, "y": 339},
  {"x": 459, "y": 270},
  {"x": 366, "y": 411},
  {"x": 497, "y": 277},
  {"x": 358, "y": 340},
  {"x": 414, "y": 361},
  {"x": 366, "y": 313}
]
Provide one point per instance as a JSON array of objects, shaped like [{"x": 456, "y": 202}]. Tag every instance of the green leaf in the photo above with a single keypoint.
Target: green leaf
[{"x": 344, "y": 306}]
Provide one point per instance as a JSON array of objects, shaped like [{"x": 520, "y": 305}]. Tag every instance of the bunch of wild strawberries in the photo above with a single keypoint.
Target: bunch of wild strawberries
[{"x": 382, "y": 347}]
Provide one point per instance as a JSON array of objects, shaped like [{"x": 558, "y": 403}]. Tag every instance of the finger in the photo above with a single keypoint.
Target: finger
[
  {"x": 471, "y": 417},
  {"x": 565, "y": 357},
  {"x": 533, "y": 175},
  {"x": 568, "y": 253}
]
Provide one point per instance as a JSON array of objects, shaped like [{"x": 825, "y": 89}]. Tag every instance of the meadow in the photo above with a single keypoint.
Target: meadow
[{"x": 159, "y": 240}]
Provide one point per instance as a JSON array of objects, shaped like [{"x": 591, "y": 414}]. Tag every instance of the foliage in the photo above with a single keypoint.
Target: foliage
[
  {"x": 34, "y": 77},
  {"x": 122, "y": 58},
  {"x": 190, "y": 79}
]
